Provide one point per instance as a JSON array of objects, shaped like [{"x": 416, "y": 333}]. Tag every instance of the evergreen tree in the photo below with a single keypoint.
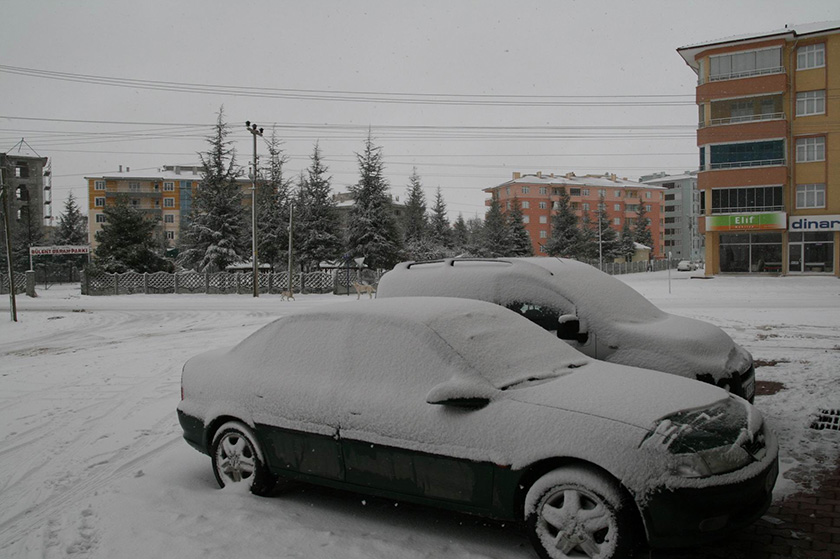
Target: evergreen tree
[
  {"x": 496, "y": 234},
  {"x": 587, "y": 248},
  {"x": 460, "y": 235},
  {"x": 72, "y": 225},
  {"x": 475, "y": 237},
  {"x": 127, "y": 242},
  {"x": 216, "y": 235},
  {"x": 520, "y": 239},
  {"x": 415, "y": 222},
  {"x": 317, "y": 223},
  {"x": 627, "y": 244},
  {"x": 605, "y": 234},
  {"x": 372, "y": 228},
  {"x": 273, "y": 200},
  {"x": 565, "y": 237},
  {"x": 643, "y": 235},
  {"x": 440, "y": 229}
]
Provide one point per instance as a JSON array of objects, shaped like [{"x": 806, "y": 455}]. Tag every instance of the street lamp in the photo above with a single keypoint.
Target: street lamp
[{"x": 252, "y": 128}]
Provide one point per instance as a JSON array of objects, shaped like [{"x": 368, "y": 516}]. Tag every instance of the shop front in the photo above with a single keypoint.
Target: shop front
[
  {"x": 811, "y": 243},
  {"x": 748, "y": 243}
]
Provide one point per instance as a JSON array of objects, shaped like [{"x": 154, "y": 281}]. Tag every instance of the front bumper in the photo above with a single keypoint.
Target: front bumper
[{"x": 691, "y": 516}]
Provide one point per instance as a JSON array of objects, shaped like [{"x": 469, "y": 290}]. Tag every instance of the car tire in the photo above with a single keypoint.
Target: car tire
[
  {"x": 238, "y": 459},
  {"x": 578, "y": 512}
]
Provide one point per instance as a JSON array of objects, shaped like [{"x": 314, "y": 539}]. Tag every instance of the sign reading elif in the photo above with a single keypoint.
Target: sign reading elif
[
  {"x": 815, "y": 223},
  {"x": 59, "y": 249},
  {"x": 747, "y": 222}
]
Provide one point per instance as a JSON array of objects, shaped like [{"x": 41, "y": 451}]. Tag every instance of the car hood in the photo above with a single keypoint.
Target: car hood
[
  {"x": 629, "y": 395},
  {"x": 677, "y": 345}
]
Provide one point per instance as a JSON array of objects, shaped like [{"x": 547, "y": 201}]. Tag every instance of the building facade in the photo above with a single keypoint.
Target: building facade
[
  {"x": 769, "y": 142},
  {"x": 682, "y": 210},
  {"x": 29, "y": 198},
  {"x": 538, "y": 194}
]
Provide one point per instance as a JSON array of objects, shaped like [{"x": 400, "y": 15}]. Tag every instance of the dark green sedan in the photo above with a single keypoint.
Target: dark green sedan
[{"x": 465, "y": 405}]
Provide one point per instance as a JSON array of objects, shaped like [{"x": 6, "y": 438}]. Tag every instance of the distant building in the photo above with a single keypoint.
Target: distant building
[
  {"x": 682, "y": 212},
  {"x": 538, "y": 194},
  {"x": 769, "y": 142},
  {"x": 164, "y": 195},
  {"x": 27, "y": 177},
  {"x": 345, "y": 201}
]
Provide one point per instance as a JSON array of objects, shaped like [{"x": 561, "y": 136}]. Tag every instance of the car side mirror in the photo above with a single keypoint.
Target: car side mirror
[
  {"x": 460, "y": 394},
  {"x": 568, "y": 328}
]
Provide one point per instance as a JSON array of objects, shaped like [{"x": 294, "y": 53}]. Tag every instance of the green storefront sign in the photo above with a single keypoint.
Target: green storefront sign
[{"x": 747, "y": 222}]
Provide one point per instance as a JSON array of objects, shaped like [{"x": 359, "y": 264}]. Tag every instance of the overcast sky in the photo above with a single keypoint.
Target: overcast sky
[{"x": 465, "y": 91}]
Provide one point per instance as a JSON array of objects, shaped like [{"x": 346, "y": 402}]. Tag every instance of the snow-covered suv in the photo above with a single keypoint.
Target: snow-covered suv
[{"x": 590, "y": 310}]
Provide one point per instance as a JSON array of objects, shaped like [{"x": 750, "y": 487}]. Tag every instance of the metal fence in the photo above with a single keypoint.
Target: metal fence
[
  {"x": 102, "y": 283},
  {"x": 20, "y": 282},
  {"x": 618, "y": 268}
]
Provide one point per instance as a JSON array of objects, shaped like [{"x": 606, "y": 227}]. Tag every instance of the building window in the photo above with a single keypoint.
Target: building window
[
  {"x": 810, "y": 149},
  {"x": 586, "y": 206},
  {"x": 526, "y": 205},
  {"x": 748, "y": 154},
  {"x": 543, "y": 219},
  {"x": 507, "y": 205},
  {"x": 169, "y": 186},
  {"x": 507, "y": 191},
  {"x": 170, "y": 235},
  {"x": 585, "y": 192},
  {"x": 100, "y": 218},
  {"x": 526, "y": 219},
  {"x": 99, "y": 202},
  {"x": 810, "y": 195},
  {"x": 744, "y": 64},
  {"x": 543, "y": 234},
  {"x": 543, "y": 190},
  {"x": 602, "y": 192},
  {"x": 747, "y": 199},
  {"x": 574, "y": 192},
  {"x": 543, "y": 205},
  {"x": 134, "y": 186},
  {"x": 617, "y": 207},
  {"x": 618, "y": 194},
  {"x": 526, "y": 190},
  {"x": 99, "y": 185},
  {"x": 647, "y": 194},
  {"x": 750, "y": 252},
  {"x": 21, "y": 170},
  {"x": 811, "y": 252},
  {"x": 810, "y": 103},
  {"x": 810, "y": 56},
  {"x": 648, "y": 207},
  {"x": 169, "y": 202},
  {"x": 616, "y": 221},
  {"x": 169, "y": 218}
]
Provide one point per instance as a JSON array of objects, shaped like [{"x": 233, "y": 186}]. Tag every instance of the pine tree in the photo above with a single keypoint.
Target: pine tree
[
  {"x": 317, "y": 223},
  {"x": 440, "y": 229},
  {"x": 460, "y": 235},
  {"x": 273, "y": 200},
  {"x": 127, "y": 241},
  {"x": 372, "y": 227},
  {"x": 520, "y": 239},
  {"x": 643, "y": 235},
  {"x": 415, "y": 222},
  {"x": 475, "y": 237},
  {"x": 587, "y": 248},
  {"x": 72, "y": 225},
  {"x": 216, "y": 235},
  {"x": 496, "y": 234},
  {"x": 608, "y": 236},
  {"x": 565, "y": 234},
  {"x": 627, "y": 244}
]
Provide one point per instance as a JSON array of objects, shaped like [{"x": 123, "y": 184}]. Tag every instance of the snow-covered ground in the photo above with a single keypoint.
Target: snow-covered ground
[{"x": 92, "y": 463}]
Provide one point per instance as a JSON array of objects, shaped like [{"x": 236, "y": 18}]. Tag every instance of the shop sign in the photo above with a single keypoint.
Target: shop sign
[
  {"x": 60, "y": 249},
  {"x": 815, "y": 223},
  {"x": 746, "y": 222}
]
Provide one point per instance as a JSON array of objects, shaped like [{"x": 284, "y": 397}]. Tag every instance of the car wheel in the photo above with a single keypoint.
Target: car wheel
[
  {"x": 576, "y": 512},
  {"x": 238, "y": 459}
]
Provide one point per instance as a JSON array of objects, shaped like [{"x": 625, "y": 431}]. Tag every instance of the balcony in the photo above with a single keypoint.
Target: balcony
[
  {"x": 743, "y": 74},
  {"x": 741, "y": 164}
]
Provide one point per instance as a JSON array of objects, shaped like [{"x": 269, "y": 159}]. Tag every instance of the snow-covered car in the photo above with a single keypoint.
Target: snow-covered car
[
  {"x": 685, "y": 266},
  {"x": 588, "y": 309},
  {"x": 464, "y": 405}
]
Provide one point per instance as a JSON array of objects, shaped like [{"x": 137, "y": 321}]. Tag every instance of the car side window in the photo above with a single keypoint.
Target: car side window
[{"x": 566, "y": 325}]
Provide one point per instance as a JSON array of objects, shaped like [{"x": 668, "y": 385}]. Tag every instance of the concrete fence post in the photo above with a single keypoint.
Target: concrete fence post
[
  {"x": 30, "y": 283},
  {"x": 145, "y": 283},
  {"x": 175, "y": 283},
  {"x": 207, "y": 283},
  {"x": 116, "y": 284}
]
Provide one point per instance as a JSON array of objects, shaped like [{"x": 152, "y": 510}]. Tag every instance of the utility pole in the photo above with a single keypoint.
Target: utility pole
[
  {"x": 8, "y": 230},
  {"x": 252, "y": 128},
  {"x": 291, "y": 229}
]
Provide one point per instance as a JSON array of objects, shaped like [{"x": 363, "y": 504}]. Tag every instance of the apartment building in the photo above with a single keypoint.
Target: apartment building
[
  {"x": 769, "y": 142},
  {"x": 539, "y": 192},
  {"x": 682, "y": 210},
  {"x": 27, "y": 177}
]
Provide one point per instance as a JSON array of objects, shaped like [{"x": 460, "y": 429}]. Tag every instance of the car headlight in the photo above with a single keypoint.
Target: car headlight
[{"x": 708, "y": 441}]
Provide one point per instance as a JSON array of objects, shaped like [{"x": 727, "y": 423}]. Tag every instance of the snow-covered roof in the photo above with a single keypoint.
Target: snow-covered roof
[
  {"x": 790, "y": 32},
  {"x": 570, "y": 179},
  {"x": 669, "y": 178},
  {"x": 168, "y": 172},
  {"x": 640, "y": 246}
]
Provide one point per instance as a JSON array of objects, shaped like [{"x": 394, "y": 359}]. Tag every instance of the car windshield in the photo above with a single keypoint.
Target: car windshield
[{"x": 507, "y": 350}]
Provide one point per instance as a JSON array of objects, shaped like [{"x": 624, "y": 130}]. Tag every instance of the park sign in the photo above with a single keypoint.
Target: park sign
[
  {"x": 747, "y": 222},
  {"x": 815, "y": 223},
  {"x": 59, "y": 249}
]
